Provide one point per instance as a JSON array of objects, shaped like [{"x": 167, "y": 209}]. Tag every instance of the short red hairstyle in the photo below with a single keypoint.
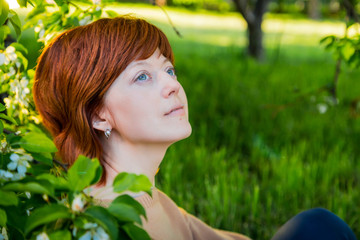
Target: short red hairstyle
[{"x": 77, "y": 68}]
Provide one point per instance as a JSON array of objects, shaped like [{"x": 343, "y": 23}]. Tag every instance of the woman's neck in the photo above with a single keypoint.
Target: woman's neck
[{"x": 133, "y": 158}]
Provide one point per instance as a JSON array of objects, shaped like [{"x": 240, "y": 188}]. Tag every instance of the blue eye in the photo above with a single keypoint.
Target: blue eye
[
  {"x": 142, "y": 77},
  {"x": 171, "y": 72}
]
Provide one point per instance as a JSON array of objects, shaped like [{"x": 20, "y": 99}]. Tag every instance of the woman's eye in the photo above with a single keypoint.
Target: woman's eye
[
  {"x": 171, "y": 72},
  {"x": 142, "y": 77}
]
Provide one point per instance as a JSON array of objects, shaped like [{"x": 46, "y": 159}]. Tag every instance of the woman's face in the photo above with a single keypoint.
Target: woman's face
[{"x": 146, "y": 103}]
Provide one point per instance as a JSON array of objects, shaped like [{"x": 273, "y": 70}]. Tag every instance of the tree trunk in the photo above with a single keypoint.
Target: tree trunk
[
  {"x": 255, "y": 36},
  {"x": 253, "y": 15},
  {"x": 313, "y": 9}
]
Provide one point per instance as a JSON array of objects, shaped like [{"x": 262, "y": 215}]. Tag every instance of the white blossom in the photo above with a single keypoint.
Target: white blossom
[
  {"x": 322, "y": 108},
  {"x": 86, "y": 236},
  {"x": 4, "y": 146},
  {"x": 100, "y": 234},
  {"x": 11, "y": 72},
  {"x": 85, "y": 20},
  {"x": 78, "y": 203},
  {"x": 19, "y": 162},
  {"x": 74, "y": 231},
  {"x": 3, "y": 234},
  {"x": 6, "y": 175},
  {"x": 90, "y": 225},
  {"x": 95, "y": 232},
  {"x": 39, "y": 26},
  {"x": 28, "y": 195},
  {"x": 20, "y": 94},
  {"x": 10, "y": 53},
  {"x": 42, "y": 236},
  {"x": 3, "y": 59}
]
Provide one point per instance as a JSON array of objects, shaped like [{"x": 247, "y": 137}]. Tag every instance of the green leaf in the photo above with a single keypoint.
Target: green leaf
[
  {"x": 43, "y": 157},
  {"x": 2, "y": 107},
  {"x": 3, "y": 218},
  {"x": 8, "y": 198},
  {"x": 87, "y": 2},
  {"x": 46, "y": 214},
  {"x": 19, "y": 47},
  {"x": 4, "y": 32},
  {"x": 63, "y": 235},
  {"x": 132, "y": 182},
  {"x": 22, "y": 3},
  {"x": 43, "y": 187},
  {"x": 136, "y": 232},
  {"x": 98, "y": 175},
  {"x": 59, "y": 2},
  {"x": 16, "y": 218},
  {"x": 65, "y": 9},
  {"x": 347, "y": 50},
  {"x": 37, "y": 142},
  {"x": 126, "y": 199},
  {"x": 23, "y": 59},
  {"x": 6, "y": 117},
  {"x": 112, "y": 13},
  {"x": 57, "y": 182},
  {"x": 15, "y": 21},
  {"x": 4, "y": 10},
  {"x": 1, "y": 126},
  {"x": 82, "y": 173},
  {"x": 124, "y": 212},
  {"x": 105, "y": 219},
  {"x": 37, "y": 10}
]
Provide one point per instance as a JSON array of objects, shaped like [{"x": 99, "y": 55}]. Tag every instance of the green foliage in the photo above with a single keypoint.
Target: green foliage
[
  {"x": 46, "y": 214},
  {"x": 83, "y": 173},
  {"x": 38, "y": 197},
  {"x": 131, "y": 182},
  {"x": 217, "y": 5},
  {"x": 4, "y": 10},
  {"x": 347, "y": 48}
]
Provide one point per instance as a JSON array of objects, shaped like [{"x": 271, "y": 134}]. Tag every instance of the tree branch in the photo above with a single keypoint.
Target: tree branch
[
  {"x": 350, "y": 10},
  {"x": 242, "y": 7},
  {"x": 153, "y": 2}
]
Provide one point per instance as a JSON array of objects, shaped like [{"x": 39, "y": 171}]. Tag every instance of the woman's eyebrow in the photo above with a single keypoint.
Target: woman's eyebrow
[{"x": 143, "y": 62}]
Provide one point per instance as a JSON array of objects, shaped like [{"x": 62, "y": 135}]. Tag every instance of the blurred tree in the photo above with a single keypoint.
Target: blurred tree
[
  {"x": 253, "y": 12},
  {"x": 313, "y": 9}
]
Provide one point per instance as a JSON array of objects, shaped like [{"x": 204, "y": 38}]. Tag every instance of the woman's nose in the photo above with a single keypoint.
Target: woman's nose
[{"x": 170, "y": 86}]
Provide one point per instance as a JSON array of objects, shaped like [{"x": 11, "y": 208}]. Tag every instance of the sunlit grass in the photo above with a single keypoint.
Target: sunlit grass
[{"x": 208, "y": 27}]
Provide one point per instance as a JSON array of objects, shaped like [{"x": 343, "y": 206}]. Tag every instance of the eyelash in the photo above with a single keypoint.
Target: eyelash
[
  {"x": 142, "y": 74},
  {"x": 173, "y": 71},
  {"x": 172, "y": 74}
]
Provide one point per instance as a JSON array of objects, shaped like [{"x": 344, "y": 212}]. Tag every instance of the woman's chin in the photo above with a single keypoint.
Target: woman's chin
[{"x": 183, "y": 133}]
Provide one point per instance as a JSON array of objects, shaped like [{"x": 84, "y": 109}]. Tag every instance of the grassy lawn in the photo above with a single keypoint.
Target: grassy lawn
[{"x": 262, "y": 148}]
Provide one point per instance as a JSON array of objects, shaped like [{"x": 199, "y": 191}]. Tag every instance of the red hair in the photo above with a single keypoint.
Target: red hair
[{"x": 77, "y": 68}]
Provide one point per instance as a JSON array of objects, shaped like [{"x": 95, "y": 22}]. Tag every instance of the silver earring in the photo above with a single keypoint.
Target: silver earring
[{"x": 107, "y": 133}]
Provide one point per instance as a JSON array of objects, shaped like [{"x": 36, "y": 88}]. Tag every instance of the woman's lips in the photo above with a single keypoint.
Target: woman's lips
[{"x": 176, "y": 111}]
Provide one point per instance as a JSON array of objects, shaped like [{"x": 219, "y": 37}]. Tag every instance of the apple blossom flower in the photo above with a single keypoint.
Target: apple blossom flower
[
  {"x": 95, "y": 232},
  {"x": 78, "y": 203},
  {"x": 42, "y": 236}
]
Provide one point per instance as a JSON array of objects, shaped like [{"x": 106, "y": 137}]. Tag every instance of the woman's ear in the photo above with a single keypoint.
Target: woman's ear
[{"x": 100, "y": 122}]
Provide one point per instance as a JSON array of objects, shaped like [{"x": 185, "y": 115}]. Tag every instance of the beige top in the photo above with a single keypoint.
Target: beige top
[{"x": 168, "y": 222}]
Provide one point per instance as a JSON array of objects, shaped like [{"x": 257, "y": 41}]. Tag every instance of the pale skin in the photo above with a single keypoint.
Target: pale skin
[{"x": 146, "y": 110}]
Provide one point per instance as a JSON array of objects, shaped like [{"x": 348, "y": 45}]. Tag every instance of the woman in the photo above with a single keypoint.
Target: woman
[{"x": 109, "y": 90}]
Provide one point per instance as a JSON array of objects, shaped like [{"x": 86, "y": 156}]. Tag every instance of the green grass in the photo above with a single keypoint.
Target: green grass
[{"x": 260, "y": 151}]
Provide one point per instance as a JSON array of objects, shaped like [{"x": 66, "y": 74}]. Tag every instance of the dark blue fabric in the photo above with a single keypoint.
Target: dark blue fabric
[{"x": 315, "y": 224}]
